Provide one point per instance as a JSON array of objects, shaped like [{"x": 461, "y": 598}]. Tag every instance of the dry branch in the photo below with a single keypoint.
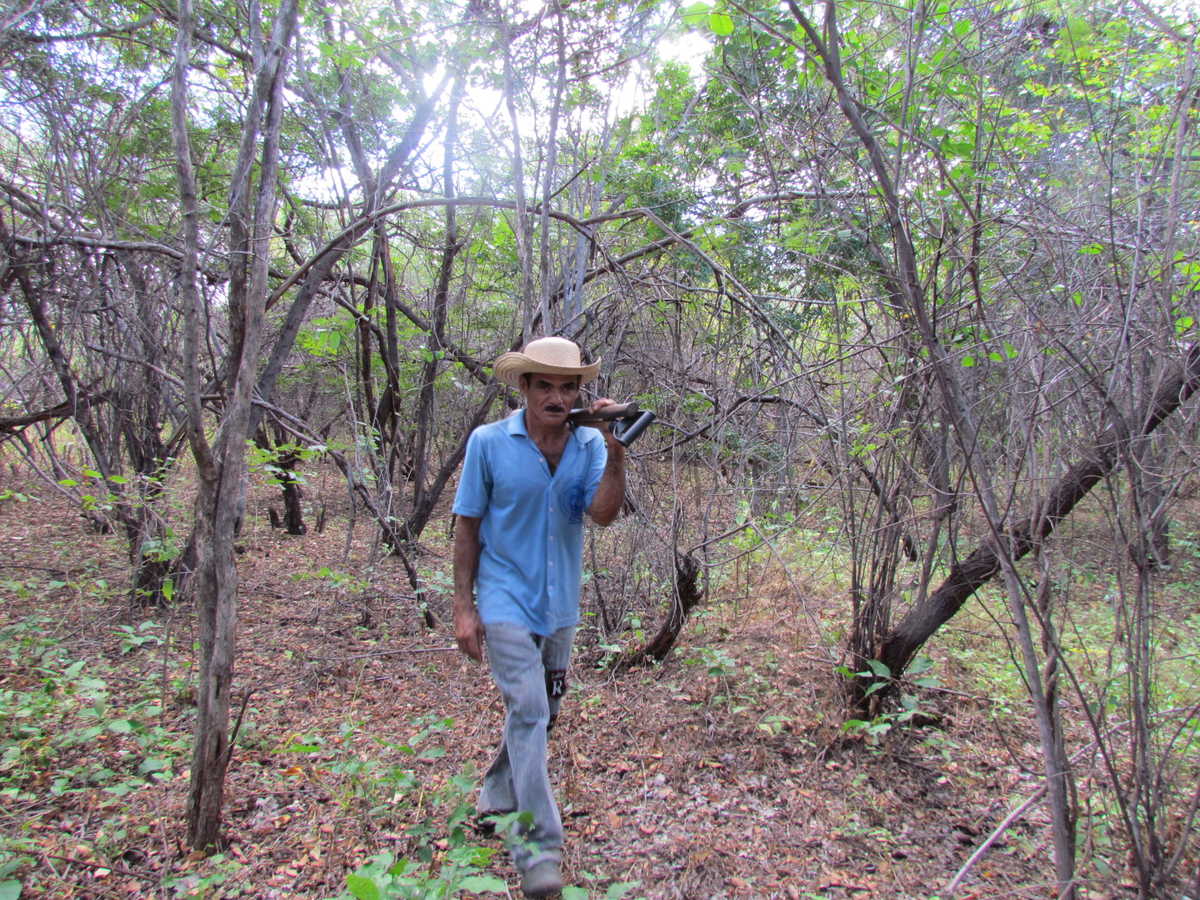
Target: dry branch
[{"x": 1097, "y": 461}]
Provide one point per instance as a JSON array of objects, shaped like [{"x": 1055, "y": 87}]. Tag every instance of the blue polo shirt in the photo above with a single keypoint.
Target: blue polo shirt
[{"x": 531, "y": 533}]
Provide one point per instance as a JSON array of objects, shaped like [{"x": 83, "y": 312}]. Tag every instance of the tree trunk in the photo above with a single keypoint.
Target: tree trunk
[
  {"x": 425, "y": 424},
  {"x": 221, "y": 466},
  {"x": 216, "y": 612}
]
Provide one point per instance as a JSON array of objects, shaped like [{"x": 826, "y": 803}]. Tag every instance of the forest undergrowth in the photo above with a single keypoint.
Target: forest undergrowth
[{"x": 726, "y": 771}]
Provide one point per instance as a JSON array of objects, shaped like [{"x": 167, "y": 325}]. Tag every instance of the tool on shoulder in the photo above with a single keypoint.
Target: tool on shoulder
[{"x": 625, "y": 420}]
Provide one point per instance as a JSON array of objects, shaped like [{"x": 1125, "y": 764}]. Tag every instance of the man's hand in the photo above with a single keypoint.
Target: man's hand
[
  {"x": 468, "y": 629},
  {"x": 605, "y": 428}
]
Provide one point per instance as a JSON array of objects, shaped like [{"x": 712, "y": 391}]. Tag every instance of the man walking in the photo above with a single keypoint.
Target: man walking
[{"x": 526, "y": 484}]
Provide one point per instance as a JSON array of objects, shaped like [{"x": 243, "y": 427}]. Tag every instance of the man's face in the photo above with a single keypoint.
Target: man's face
[{"x": 548, "y": 398}]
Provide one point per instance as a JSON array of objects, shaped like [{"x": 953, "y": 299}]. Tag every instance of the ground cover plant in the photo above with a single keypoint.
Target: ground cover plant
[{"x": 730, "y": 769}]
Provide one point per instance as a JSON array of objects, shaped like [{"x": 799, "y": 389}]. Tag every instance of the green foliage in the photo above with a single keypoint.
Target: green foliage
[
  {"x": 328, "y": 337},
  {"x": 878, "y": 677},
  {"x": 614, "y": 891},
  {"x": 94, "y": 494},
  {"x": 13, "y": 857},
  {"x": 741, "y": 687},
  {"x": 443, "y": 859},
  {"x": 141, "y": 635},
  {"x": 386, "y": 878},
  {"x": 278, "y": 461},
  {"x": 336, "y": 579},
  {"x": 207, "y": 879},
  {"x": 63, "y": 736}
]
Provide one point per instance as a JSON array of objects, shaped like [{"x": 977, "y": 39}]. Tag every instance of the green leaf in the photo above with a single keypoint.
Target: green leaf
[
  {"x": 720, "y": 24},
  {"x": 10, "y": 890},
  {"x": 362, "y": 887},
  {"x": 301, "y": 748},
  {"x": 968, "y": 361},
  {"x": 880, "y": 668}
]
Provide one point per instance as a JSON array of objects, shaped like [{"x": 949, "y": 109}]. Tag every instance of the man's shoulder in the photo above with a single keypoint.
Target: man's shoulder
[
  {"x": 493, "y": 430},
  {"x": 495, "y": 439}
]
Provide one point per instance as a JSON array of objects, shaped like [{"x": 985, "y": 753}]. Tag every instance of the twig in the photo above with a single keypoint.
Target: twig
[
  {"x": 383, "y": 653},
  {"x": 1017, "y": 813},
  {"x": 992, "y": 838},
  {"x": 237, "y": 726}
]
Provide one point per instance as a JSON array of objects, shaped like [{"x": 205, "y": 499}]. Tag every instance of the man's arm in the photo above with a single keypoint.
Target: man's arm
[
  {"x": 610, "y": 494},
  {"x": 468, "y": 629}
]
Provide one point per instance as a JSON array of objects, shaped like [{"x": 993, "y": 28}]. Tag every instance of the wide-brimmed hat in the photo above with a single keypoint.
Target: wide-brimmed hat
[{"x": 546, "y": 356}]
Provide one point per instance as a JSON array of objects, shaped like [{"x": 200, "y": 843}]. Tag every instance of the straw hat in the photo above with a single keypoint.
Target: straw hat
[{"x": 547, "y": 356}]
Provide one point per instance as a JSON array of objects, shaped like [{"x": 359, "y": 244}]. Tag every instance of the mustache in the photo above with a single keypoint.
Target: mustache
[{"x": 554, "y": 407}]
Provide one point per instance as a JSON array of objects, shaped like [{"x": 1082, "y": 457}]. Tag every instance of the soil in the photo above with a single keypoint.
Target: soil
[{"x": 721, "y": 773}]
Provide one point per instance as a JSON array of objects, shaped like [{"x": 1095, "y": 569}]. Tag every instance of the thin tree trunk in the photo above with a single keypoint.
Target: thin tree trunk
[
  {"x": 435, "y": 346},
  {"x": 523, "y": 227},
  {"x": 546, "y": 291},
  {"x": 221, "y": 466}
]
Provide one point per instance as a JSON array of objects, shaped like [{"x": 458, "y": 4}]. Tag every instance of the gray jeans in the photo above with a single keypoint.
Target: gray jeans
[{"x": 530, "y": 671}]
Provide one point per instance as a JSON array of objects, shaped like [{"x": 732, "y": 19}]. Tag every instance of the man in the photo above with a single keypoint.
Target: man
[{"x": 527, "y": 481}]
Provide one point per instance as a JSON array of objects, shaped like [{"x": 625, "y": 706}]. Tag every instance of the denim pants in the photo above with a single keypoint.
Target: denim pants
[{"x": 530, "y": 672}]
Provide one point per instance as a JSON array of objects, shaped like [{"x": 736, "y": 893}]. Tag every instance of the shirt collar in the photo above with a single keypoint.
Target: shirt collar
[{"x": 515, "y": 424}]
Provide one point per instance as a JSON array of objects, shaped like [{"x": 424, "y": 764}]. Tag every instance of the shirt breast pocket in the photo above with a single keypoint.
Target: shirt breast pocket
[{"x": 571, "y": 500}]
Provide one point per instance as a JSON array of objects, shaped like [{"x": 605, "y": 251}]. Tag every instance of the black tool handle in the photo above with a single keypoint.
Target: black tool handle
[
  {"x": 626, "y": 431},
  {"x": 607, "y": 414}
]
